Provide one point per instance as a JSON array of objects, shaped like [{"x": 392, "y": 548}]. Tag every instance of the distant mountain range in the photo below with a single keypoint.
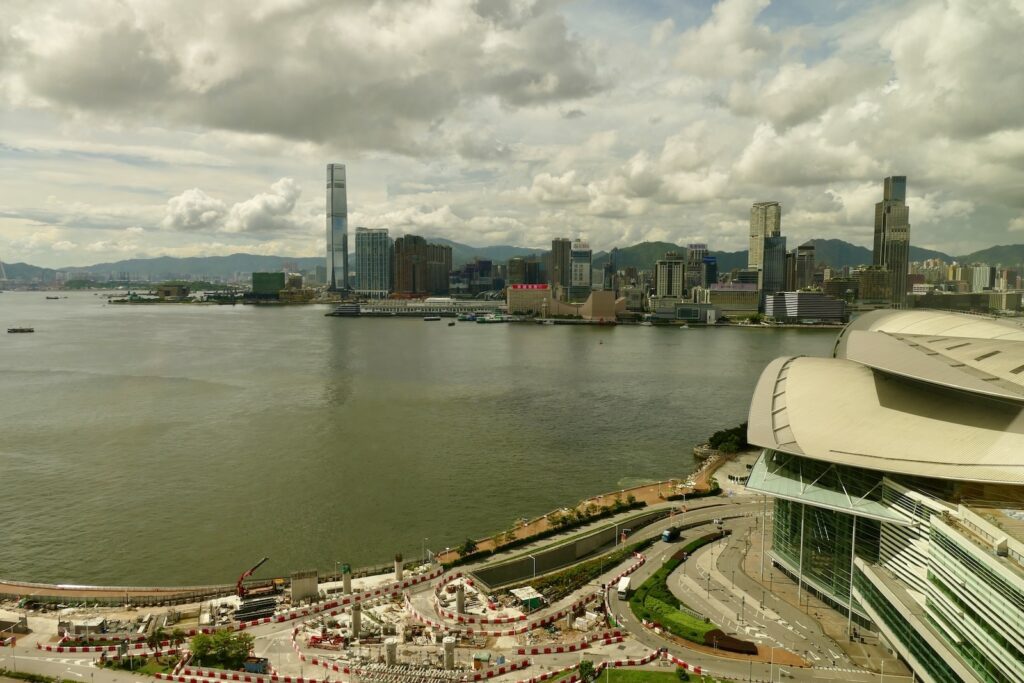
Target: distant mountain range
[{"x": 835, "y": 253}]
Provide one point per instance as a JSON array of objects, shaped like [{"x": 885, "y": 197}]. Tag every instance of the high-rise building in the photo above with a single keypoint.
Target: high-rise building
[
  {"x": 580, "y": 270},
  {"x": 670, "y": 276},
  {"x": 765, "y": 221},
  {"x": 561, "y": 249},
  {"x": 710, "y": 271},
  {"x": 892, "y": 236},
  {"x": 695, "y": 254},
  {"x": 420, "y": 268},
  {"x": 373, "y": 262},
  {"x": 337, "y": 228},
  {"x": 803, "y": 266},
  {"x": 773, "y": 266}
]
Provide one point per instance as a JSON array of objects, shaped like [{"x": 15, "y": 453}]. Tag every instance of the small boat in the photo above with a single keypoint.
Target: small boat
[
  {"x": 647, "y": 323},
  {"x": 431, "y": 318},
  {"x": 451, "y": 324},
  {"x": 684, "y": 327},
  {"x": 53, "y": 297},
  {"x": 548, "y": 322},
  {"x": 16, "y": 330}
]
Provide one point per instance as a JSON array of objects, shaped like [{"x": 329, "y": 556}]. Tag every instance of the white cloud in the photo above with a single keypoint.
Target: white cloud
[
  {"x": 267, "y": 212},
  {"x": 730, "y": 43},
  {"x": 194, "y": 210},
  {"x": 557, "y": 189}
]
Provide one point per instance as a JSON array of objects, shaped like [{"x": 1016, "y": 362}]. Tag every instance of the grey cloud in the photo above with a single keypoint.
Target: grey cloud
[
  {"x": 352, "y": 75},
  {"x": 574, "y": 114},
  {"x": 115, "y": 67}
]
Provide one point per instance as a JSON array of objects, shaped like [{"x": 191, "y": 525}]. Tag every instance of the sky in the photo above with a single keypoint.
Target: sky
[{"x": 187, "y": 128}]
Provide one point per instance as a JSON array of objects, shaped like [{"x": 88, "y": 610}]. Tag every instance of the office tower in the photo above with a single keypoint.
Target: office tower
[
  {"x": 670, "y": 276},
  {"x": 710, "y": 271},
  {"x": 695, "y": 254},
  {"x": 773, "y": 266},
  {"x": 803, "y": 266},
  {"x": 561, "y": 249},
  {"x": 516, "y": 271},
  {"x": 765, "y": 221},
  {"x": 337, "y": 228},
  {"x": 892, "y": 237},
  {"x": 420, "y": 268},
  {"x": 580, "y": 270},
  {"x": 373, "y": 262}
]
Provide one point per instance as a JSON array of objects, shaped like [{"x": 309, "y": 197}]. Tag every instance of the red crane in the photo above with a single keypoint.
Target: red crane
[{"x": 240, "y": 588}]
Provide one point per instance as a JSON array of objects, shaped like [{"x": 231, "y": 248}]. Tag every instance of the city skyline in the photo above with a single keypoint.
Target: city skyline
[{"x": 127, "y": 135}]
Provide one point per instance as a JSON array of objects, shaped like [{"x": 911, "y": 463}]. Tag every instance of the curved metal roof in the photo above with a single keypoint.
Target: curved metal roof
[{"x": 844, "y": 412}]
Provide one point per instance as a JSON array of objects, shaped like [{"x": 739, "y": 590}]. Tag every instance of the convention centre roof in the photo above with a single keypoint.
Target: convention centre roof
[{"x": 922, "y": 393}]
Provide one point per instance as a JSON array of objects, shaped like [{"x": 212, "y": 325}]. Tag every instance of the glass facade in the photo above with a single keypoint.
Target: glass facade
[
  {"x": 827, "y": 540},
  {"x": 904, "y": 631},
  {"x": 337, "y": 227}
]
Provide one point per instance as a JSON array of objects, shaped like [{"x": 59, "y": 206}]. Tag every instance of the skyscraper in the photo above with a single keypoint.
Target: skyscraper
[
  {"x": 560, "y": 255},
  {"x": 580, "y": 270},
  {"x": 773, "y": 267},
  {"x": 373, "y": 262},
  {"x": 892, "y": 236},
  {"x": 803, "y": 266},
  {"x": 337, "y": 228},
  {"x": 420, "y": 268},
  {"x": 765, "y": 221},
  {"x": 695, "y": 254},
  {"x": 670, "y": 276}
]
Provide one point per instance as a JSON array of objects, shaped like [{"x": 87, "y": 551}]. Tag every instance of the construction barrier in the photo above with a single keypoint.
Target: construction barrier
[{"x": 607, "y": 638}]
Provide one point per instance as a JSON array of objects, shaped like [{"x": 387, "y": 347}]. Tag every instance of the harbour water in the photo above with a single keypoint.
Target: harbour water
[{"x": 178, "y": 444}]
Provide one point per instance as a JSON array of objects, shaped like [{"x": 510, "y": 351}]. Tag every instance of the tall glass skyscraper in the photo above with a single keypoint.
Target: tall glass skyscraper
[
  {"x": 581, "y": 274},
  {"x": 892, "y": 236},
  {"x": 337, "y": 228}
]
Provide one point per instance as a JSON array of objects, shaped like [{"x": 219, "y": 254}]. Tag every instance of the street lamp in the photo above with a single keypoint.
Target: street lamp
[{"x": 534, "y": 565}]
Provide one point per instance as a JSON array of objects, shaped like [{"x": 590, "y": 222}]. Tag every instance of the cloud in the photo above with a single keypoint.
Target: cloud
[
  {"x": 557, "y": 189},
  {"x": 194, "y": 210},
  {"x": 368, "y": 76},
  {"x": 661, "y": 31},
  {"x": 730, "y": 44},
  {"x": 266, "y": 212}
]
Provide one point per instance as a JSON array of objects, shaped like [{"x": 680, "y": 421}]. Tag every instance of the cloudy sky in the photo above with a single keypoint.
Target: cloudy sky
[{"x": 180, "y": 127}]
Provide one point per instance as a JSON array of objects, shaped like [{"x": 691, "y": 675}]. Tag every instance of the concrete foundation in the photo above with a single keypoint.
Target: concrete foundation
[
  {"x": 391, "y": 651},
  {"x": 460, "y": 599},
  {"x": 357, "y": 620},
  {"x": 449, "y": 652}
]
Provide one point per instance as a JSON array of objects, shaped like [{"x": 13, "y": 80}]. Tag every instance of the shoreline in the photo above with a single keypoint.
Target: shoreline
[{"x": 700, "y": 478}]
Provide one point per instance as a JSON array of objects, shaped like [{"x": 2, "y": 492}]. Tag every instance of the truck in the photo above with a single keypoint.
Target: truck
[
  {"x": 623, "y": 588},
  {"x": 670, "y": 534}
]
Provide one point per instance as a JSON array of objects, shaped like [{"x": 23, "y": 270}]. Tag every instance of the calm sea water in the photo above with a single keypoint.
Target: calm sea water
[{"x": 180, "y": 444}]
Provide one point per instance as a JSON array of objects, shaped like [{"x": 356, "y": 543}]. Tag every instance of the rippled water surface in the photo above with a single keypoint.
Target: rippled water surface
[{"x": 179, "y": 444}]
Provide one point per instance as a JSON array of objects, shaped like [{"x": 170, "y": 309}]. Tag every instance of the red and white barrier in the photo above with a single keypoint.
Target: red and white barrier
[{"x": 606, "y": 638}]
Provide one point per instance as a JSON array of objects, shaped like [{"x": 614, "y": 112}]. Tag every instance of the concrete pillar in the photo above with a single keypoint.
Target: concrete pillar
[
  {"x": 357, "y": 614},
  {"x": 346, "y": 579},
  {"x": 391, "y": 651},
  {"x": 460, "y": 599},
  {"x": 449, "y": 652},
  {"x": 398, "y": 566}
]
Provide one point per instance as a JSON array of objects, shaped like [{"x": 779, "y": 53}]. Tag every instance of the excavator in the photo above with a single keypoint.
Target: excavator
[{"x": 243, "y": 592}]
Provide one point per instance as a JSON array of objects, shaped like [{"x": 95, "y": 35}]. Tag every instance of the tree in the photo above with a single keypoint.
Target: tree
[
  {"x": 468, "y": 548},
  {"x": 154, "y": 639},
  {"x": 630, "y": 499},
  {"x": 681, "y": 673},
  {"x": 177, "y": 638},
  {"x": 201, "y": 647},
  {"x": 586, "y": 669}
]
